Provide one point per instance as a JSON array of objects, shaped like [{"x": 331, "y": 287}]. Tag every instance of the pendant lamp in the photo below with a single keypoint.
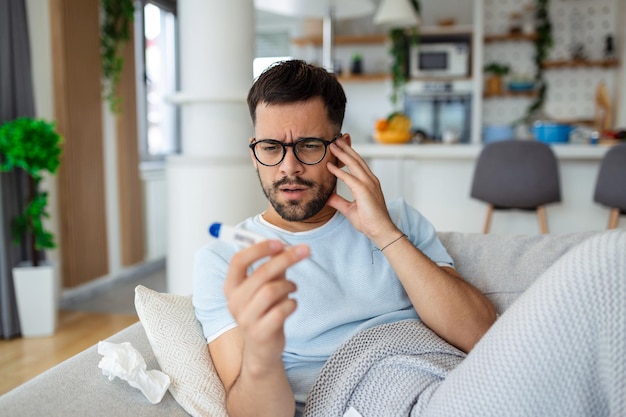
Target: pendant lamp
[{"x": 397, "y": 14}]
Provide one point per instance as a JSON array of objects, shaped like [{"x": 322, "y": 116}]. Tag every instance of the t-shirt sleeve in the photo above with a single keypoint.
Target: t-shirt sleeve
[
  {"x": 421, "y": 232},
  {"x": 209, "y": 272}
]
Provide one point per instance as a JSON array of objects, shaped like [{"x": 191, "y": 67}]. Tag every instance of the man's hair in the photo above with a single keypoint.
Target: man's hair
[{"x": 295, "y": 81}]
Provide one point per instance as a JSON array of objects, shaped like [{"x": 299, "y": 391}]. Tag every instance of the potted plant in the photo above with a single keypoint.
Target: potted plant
[
  {"x": 494, "y": 83},
  {"x": 33, "y": 146},
  {"x": 356, "y": 64}
]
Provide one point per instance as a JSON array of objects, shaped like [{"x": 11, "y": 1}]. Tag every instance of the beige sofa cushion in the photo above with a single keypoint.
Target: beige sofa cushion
[{"x": 181, "y": 351}]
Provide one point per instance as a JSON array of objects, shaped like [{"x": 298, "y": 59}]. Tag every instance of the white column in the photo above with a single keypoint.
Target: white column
[{"x": 213, "y": 179}]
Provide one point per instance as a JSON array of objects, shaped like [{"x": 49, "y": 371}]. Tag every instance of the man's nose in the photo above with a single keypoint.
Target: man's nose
[{"x": 290, "y": 164}]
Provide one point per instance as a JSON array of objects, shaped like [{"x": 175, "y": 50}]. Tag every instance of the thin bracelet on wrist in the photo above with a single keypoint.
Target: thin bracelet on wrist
[{"x": 392, "y": 242}]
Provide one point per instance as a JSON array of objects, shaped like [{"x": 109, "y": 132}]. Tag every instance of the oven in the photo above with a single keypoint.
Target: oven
[{"x": 440, "y": 112}]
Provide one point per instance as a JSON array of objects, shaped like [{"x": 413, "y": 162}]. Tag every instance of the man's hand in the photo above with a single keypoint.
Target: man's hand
[
  {"x": 248, "y": 358},
  {"x": 368, "y": 212},
  {"x": 260, "y": 302}
]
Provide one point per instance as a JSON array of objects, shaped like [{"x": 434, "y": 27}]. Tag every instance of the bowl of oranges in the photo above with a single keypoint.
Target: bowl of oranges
[{"x": 395, "y": 129}]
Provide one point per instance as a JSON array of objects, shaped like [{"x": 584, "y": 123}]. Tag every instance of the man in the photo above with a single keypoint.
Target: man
[{"x": 274, "y": 312}]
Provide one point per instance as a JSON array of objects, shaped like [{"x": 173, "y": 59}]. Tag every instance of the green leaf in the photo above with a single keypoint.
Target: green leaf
[
  {"x": 118, "y": 16},
  {"x": 30, "y": 144},
  {"x": 34, "y": 146}
]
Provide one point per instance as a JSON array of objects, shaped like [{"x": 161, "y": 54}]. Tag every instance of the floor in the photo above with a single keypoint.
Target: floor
[
  {"x": 82, "y": 323},
  {"x": 120, "y": 297}
]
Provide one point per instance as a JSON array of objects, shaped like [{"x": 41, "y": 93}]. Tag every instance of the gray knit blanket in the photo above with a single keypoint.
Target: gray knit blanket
[
  {"x": 558, "y": 350},
  {"x": 387, "y": 370}
]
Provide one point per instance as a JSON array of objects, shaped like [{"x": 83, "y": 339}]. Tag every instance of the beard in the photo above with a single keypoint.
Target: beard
[{"x": 298, "y": 210}]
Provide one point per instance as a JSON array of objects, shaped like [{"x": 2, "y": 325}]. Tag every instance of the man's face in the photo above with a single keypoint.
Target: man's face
[{"x": 296, "y": 192}]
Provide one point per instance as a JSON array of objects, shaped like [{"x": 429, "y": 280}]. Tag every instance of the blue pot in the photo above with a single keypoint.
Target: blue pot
[{"x": 551, "y": 132}]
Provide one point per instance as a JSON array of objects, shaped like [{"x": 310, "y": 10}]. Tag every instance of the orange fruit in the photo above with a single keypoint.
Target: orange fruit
[{"x": 381, "y": 124}]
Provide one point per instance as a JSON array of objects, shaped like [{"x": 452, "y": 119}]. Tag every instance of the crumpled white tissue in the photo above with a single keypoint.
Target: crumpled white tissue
[{"x": 125, "y": 362}]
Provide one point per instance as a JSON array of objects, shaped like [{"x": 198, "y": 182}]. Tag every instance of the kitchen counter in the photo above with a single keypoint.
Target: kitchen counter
[
  {"x": 437, "y": 178},
  {"x": 467, "y": 151}
]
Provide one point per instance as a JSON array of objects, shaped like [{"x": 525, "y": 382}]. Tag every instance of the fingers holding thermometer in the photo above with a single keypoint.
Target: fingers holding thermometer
[{"x": 260, "y": 301}]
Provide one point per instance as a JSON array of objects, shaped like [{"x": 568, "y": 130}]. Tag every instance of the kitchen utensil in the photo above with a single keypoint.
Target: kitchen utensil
[
  {"x": 552, "y": 132},
  {"x": 603, "y": 118}
]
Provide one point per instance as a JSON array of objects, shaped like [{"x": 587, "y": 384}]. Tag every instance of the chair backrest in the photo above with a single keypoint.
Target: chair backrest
[
  {"x": 519, "y": 174},
  {"x": 611, "y": 183}
]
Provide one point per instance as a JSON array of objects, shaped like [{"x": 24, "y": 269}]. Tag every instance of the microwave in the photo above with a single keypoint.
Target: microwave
[{"x": 439, "y": 60}]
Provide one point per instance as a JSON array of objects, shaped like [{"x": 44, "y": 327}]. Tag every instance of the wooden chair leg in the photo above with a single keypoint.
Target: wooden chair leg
[
  {"x": 543, "y": 220},
  {"x": 613, "y": 218},
  {"x": 488, "y": 219}
]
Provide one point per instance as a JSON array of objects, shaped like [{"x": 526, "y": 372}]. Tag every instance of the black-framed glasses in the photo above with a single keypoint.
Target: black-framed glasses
[{"x": 309, "y": 151}]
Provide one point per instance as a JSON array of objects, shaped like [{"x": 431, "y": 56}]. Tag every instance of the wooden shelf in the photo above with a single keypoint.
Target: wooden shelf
[
  {"x": 504, "y": 37},
  {"x": 504, "y": 94},
  {"x": 435, "y": 30},
  {"x": 380, "y": 38},
  {"x": 363, "y": 77},
  {"x": 343, "y": 39},
  {"x": 577, "y": 121},
  {"x": 566, "y": 63}
]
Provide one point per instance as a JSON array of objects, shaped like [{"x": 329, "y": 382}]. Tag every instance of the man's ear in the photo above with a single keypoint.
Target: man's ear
[{"x": 255, "y": 163}]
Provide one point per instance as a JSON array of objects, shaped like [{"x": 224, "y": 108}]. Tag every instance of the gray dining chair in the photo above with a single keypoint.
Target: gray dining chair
[
  {"x": 610, "y": 188},
  {"x": 517, "y": 174}
]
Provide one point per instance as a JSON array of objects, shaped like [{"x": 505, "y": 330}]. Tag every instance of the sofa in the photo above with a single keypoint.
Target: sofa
[{"x": 169, "y": 338}]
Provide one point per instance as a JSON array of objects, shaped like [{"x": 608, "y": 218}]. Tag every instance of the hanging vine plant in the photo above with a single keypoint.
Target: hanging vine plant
[
  {"x": 400, "y": 44},
  {"x": 543, "y": 44},
  {"x": 115, "y": 31}
]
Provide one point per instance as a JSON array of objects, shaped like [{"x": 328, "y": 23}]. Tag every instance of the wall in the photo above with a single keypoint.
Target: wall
[
  {"x": 155, "y": 204},
  {"x": 571, "y": 91}
]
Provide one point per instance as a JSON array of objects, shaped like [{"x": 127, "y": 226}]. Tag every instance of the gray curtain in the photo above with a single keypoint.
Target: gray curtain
[{"x": 16, "y": 100}]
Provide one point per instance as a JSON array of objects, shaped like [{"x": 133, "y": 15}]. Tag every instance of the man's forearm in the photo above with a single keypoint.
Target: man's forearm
[
  {"x": 446, "y": 303},
  {"x": 261, "y": 392}
]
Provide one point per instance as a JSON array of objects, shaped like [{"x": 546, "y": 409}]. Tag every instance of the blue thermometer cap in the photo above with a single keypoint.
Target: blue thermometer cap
[{"x": 214, "y": 229}]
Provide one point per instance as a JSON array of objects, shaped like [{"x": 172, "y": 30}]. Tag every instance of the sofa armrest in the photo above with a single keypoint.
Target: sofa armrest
[{"x": 77, "y": 387}]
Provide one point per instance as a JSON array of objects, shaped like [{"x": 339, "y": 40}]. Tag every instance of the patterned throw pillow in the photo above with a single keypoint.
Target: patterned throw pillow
[{"x": 180, "y": 348}]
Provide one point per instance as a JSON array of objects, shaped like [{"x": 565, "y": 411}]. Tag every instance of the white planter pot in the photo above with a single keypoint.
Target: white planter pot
[{"x": 36, "y": 291}]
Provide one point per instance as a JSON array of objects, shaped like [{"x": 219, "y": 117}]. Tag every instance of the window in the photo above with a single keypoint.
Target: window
[
  {"x": 270, "y": 47},
  {"x": 157, "y": 68}
]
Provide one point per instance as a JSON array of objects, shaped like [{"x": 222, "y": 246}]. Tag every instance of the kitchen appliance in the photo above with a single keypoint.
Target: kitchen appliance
[
  {"x": 446, "y": 59},
  {"x": 439, "y": 110}
]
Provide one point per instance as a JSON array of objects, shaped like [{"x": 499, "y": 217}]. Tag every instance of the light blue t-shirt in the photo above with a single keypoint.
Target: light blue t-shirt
[{"x": 345, "y": 286}]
